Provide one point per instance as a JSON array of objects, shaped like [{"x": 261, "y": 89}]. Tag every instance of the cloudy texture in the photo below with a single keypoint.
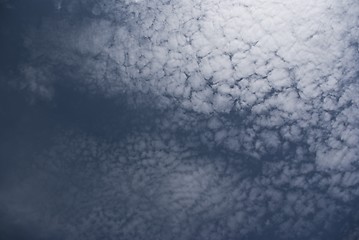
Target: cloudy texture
[{"x": 204, "y": 119}]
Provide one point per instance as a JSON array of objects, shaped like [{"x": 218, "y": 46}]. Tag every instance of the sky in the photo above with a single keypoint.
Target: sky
[{"x": 202, "y": 119}]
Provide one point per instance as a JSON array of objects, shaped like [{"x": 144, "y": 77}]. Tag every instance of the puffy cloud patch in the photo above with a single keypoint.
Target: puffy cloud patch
[
  {"x": 283, "y": 62},
  {"x": 258, "y": 126},
  {"x": 150, "y": 185},
  {"x": 169, "y": 181}
]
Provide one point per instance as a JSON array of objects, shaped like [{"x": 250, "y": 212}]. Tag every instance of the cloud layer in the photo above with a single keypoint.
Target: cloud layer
[
  {"x": 289, "y": 68},
  {"x": 256, "y": 130}
]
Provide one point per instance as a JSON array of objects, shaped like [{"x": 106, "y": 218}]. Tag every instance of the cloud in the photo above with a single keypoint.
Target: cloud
[
  {"x": 269, "y": 88},
  {"x": 148, "y": 185}
]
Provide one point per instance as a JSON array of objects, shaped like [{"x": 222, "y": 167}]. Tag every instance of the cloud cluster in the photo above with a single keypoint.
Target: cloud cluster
[
  {"x": 289, "y": 68},
  {"x": 258, "y": 129},
  {"x": 149, "y": 184}
]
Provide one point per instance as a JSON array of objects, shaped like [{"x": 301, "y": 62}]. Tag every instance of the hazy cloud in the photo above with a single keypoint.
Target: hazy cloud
[{"x": 257, "y": 127}]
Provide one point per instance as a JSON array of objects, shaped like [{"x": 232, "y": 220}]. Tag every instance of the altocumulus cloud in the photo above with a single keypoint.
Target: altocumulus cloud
[{"x": 256, "y": 129}]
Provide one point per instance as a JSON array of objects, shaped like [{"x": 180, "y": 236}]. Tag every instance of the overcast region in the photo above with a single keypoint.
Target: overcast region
[{"x": 179, "y": 119}]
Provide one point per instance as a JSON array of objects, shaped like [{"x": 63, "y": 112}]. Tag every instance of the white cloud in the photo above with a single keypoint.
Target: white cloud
[{"x": 250, "y": 79}]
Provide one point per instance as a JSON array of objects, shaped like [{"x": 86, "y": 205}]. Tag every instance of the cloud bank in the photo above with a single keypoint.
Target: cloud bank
[{"x": 257, "y": 129}]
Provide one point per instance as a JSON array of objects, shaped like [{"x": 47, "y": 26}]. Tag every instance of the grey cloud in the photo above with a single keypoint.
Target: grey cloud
[
  {"x": 257, "y": 131},
  {"x": 145, "y": 185},
  {"x": 287, "y": 62}
]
